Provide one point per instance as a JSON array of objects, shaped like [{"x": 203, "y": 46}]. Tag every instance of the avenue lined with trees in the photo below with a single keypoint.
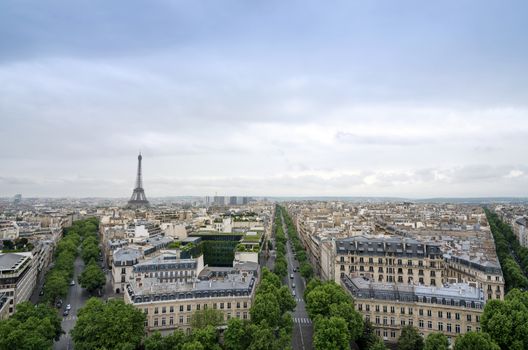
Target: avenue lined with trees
[{"x": 512, "y": 256}]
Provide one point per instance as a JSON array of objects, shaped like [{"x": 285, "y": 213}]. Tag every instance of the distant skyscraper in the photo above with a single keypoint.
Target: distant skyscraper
[{"x": 138, "y": 198}]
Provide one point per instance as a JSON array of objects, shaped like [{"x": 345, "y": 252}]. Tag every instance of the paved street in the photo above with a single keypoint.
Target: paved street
[
  {"x": 76, "y": 298},
  {"x": 302, "y": 325}
]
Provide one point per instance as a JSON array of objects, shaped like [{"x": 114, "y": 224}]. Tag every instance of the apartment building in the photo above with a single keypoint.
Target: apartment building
[
  {"x": 389, "y": 259},
  {"x": 17, "y": 277},
  {"x": 452, "y": 309},
  {"x": 169, "y": 301}
]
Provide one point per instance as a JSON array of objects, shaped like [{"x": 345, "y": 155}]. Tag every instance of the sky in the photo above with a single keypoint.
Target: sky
[{"x": 411, "y": 99}]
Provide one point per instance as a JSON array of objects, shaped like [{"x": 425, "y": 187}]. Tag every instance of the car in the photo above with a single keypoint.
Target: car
[
  {"x": 293, "y": 293},
  {"x": 65, "y": 313},
  {"x": 291, "y": 276},
  {"x": 59, "y": 303},
  {"x": 293, "y": 285},
  {"x": 41, "y": 293},
  {"x": 68, "y": 307},
  {"x": 72, "y": 283}
]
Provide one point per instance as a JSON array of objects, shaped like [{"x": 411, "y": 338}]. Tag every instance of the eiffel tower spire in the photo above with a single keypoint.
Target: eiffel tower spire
[{"x": 138, "y": 198}]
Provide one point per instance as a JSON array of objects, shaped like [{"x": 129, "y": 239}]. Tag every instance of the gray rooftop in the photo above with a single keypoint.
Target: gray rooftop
[{"x": 11, "y": 261}]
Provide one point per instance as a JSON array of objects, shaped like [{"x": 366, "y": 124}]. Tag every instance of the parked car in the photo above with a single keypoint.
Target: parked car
[
  {"x": 65, "y": 313},
  {"x": 293, "y": 292},
  {"x": 291, "y": 275},
  {"x": 293, "y": 285},
  {"x": 68, "y": 307},
  {"x": 72, "y": 283},
  {"x": 59, "y": 303}
]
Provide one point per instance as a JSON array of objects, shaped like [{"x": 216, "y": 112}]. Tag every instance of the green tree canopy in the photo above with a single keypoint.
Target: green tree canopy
[
  {"x": 436, "y": 341},
  {"x": 92, "y": 278},
  {"x": 475, "y": 341},
  {"x": 410, "y": 339},
  {"x": 108, "y": 325},
  {"x": 507, "y": 321},
  {"x": 207, "y": 317},
  {"x": 331, "y": 333},
  {"x": 236, "y": 336}
]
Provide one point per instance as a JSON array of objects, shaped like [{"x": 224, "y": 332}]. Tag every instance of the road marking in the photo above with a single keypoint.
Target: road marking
[
  {"x": 303, "y": 320},
  {"x": 299, "y": 300}
]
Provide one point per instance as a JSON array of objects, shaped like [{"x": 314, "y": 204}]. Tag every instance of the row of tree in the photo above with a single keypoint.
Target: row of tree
[
  {"x": 59, "y": 277},
  {"x": 300, "y": 253},
  {"x": 506, "y": 244},
  {"x": 280, "y": 264},
  {"x": 92, "y": 278}
]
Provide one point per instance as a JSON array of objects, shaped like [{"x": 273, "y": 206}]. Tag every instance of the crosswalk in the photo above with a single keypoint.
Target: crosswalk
[
  {"x": 299, "y": 300},
  {"x": 304, "y": 320}
]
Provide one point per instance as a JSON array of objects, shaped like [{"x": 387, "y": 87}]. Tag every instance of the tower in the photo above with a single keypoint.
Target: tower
[{"x": 138, "y": 198}]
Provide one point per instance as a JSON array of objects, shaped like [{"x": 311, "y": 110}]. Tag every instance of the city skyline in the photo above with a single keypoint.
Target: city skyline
[{"x": 408, "y": 100}]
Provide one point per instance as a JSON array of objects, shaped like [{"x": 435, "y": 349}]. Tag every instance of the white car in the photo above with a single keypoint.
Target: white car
[
  {"x": 68, "y": 307},
  {"x": 72, "y": 283}
]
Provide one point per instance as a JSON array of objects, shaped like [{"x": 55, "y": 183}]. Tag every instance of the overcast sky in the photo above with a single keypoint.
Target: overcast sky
[{"x": 352, "y": 98}]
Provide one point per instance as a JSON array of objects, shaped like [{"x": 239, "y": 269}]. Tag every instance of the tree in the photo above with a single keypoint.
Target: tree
[
  {"x": 331, "y": 334},
  {"x": 207, "y": 337},
  {"x": 410, "y": 339},
  {"x": 108, "y": 326},
  {"x": 236, "y": 335},
  {"x": 90, "y": 252},
  {"x": 436, "y": 341},
  {"x": 56, "y": 286},
  {"x": 207, "y": 317},
  {"x": 265, "y": 308},
  {"x": 377, "y": 345},
  {"x": 368, "y": 338},
  {"x": 306, "y": 270},
  {"x": 92, "y": 278},
  {"x": 507, "y": 321},
  {"x": 285, "y": 299},
  {"x": 281, "y": 266},
  {"x": 262, "y": 337},
  {"x": 26, "y": 310},
  {"x": 353, "y": 319},
  {"x": 193, "y": 345},
  {"x": 475, "y": 341}
]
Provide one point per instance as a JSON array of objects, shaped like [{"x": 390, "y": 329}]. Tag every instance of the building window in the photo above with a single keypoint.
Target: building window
[
  {"x": 156, "y": 310},
  {"x": 393, "y": 334},
  {"x": 181, "y": 308},
  {"x": 367, "y": 307},
  {"x": 440, "y": 314},
  {"x": 469, "y": 318},
  {"x": 197, "y": 306},
  {"x": 468, "y": 328},
  {"x": 384, "y": 320},
  {"x": 245, "y": 304},
  {"x": 245, "y": 315},
  {"x": 392, "y": 309},
  {"x": 377, "y": 308},
  {"x": 402, "y": 322},
  {"x": 171, "y": 320},
  {"x": 457, "y": 316},
  {"x": 392, "y": 321},
  {"x": 189, "y": 307},
  {"x": 429, "y": 324},
  {"x": 402, "y": 310},
  {"x": 222, "y": 306},
  {"x": 411, "y": 322},
  {"x": 238, "y": 305},
  {"x": 421, "y": 323},
  {"x": 145, "y": 310},
  {"x": 420, "y": 312},
  {"x": 163, "y": 309},
  {"x": 410, "y": 311},
  {"x": 440, "y": 326},
  {"x": 377, "y": 320},
  {"x": 448, "y": 314},
  {"x": 181, "y": 320},
  {"x": 449, "y": 329},
  {"x": 360, "y": 307},
  {"x": 163, "y": 321},
  {"x": 155, "y": 322},
  {"x": 457, "y": 328},
  {"x": 429, "y": 313},
  {"x": 229, "y": 305}
]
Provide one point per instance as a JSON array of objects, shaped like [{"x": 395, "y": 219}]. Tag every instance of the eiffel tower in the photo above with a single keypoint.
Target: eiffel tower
[{"x": 138, "y": 198}]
